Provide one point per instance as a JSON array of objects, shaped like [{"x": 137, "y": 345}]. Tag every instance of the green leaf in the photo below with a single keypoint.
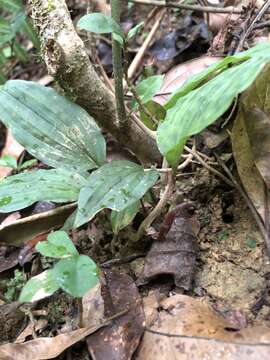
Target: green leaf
[
  {"x": 202, "y": 106},
  {"x": 120, "y": 219},
  {"x": 31, "y": 33},
  {"x": 199, "y": 79},
  {"x": 20, "y": 52},
  {"x": 115, "y": 186},
  {"x": 76, "y": 275},
  {"x": 11, "y": 5},
  {"x": 58, "y": 245},
  {"x": 147, "y": 88},
  {"x": 28, "y": 164},
  {"x": 22, "y": 190},
  {"x": 118, "y": 38},
  {"x": 39, "y": 287},
  {"x": 156, "y": 110},
  {"x": 8, "y": 161},
  {"x": 101, "y": 24},
  {"x": 6, "y": 33},
  {"x": 17, "y": 22},
  {"x": 134, "y": 31},
  {"x": 50, "y": 127}
]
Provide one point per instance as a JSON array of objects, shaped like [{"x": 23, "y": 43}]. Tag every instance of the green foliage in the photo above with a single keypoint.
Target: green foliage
[
  {"x": 148, "y": 87},
  {"x": 60, "y": 133},
  {"x": 15, "y": 22},
  {"x": 116, "y": 186},
  {"x": 198, "y": 103},
  {"x": 8, "y": 161},
  {"x": 58, "y": 245},
  {"x": 39, "y": 287},
  {"x": 53, "y": 129},
  {"x": 156, "y": 110},
  {"x": 14, "y": 285},
  {"x": 22, "y": 190},
  {"x": 101, "y": 24},
  {"x": 120, "y": 219},
  {"x": 134, "y": 31},
  {"x": 74, "y": 273}
]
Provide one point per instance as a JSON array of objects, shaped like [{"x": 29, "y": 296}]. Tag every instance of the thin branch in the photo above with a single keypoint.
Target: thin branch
[
  {"x": 158, "y": 209},
  {"x": 257, "y": 17},
  {"x": 206, "y": 9},
  {"x": 139, "y": 57},
  {"x": 142, "y": 107},
  {"x": 117, "y": 66}
]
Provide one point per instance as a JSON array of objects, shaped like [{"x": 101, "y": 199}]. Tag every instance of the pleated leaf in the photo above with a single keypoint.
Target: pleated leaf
[
  {"x": 201, "y": 107},
  {"x": 22, "y": 190},
  {"x": 116, "y": 186},
  {"x": 50, "y": 127}
]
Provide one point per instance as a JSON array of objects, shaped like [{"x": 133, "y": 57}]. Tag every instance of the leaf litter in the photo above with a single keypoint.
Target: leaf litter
[{"x": 178, "y": 315}]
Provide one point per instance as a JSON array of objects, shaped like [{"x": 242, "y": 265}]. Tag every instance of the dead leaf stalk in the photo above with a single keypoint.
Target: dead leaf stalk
[
  {"x": 139, "y": 57},
  {"x": 159, "y": 207},
  {"x": 254, "y": 212},
  {"x": 118, "y": 67},
  {"x": 206, "y": 9}
]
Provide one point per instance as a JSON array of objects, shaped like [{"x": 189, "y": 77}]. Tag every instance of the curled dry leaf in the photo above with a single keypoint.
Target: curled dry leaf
[
  {"x": 10, "y": 261},
  {"x": 11, "y": 320},
  {"x": 119, "y": 340},
  {"x": 251, "y": 139},
  {"x": 30, "y": 329},
  {"x": 12, "y": 148},
  {"x": 175, "y": 251},
  {"x": 188, "y": 329},
  {"x": 178, "y": 75},
  {"x": 93, "y": 306},
  {"x": 23, "y": 230},
  {"x": 45, "y": 347}
]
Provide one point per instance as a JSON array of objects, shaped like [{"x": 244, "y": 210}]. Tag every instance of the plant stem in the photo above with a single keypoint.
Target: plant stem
[
  {"x": 158, "y": 208},
  {"x": 80, "y": 312},
  {"x": 117, "y": 66},
  {"x": 142, "y": 107},
  {"x": 206, "y": 9}
]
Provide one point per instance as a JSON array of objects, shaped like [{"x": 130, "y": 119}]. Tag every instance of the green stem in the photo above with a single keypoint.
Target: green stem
[{"x": 117, "y": 66}]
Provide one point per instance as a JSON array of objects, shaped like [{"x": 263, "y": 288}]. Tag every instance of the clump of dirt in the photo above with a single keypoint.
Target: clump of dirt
[{"x": 232, "y": 265}]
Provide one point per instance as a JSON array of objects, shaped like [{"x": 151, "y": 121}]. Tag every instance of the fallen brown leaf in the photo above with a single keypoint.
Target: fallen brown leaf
[
  {"x": 45, "y": 347},
  {"x": 187, "y": 328},
  {"x": 30, "y": 328},
  {"x": 251, "y": 139},
  {"x": 10, "y": 261},
  {"x": 11, "y": 218},
  {"x": 119, "y": 340},
  {"x": 175, "y": 252},
  {"x": 22, "y": 230},
  {"x": 93, "y": 306},
  {"x": 13, "y": 148},
  {"x": 178, "y": 75}
]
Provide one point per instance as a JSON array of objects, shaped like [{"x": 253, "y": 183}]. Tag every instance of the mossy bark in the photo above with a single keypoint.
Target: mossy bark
[{"x": 67, "y": 61}]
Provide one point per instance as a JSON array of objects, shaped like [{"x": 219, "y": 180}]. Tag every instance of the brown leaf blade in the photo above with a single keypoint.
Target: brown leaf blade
[
  {"x": 46, "y": 347},
  {"x": 251, "y": 139},
  {"x": 175, "y": 253},
  {"x": 119, "y": 340},
  {"x": 187, "y": 328}
]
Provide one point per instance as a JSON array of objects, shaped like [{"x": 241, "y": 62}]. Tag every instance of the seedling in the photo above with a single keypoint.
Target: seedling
[{"x": 73, "y": 273}]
